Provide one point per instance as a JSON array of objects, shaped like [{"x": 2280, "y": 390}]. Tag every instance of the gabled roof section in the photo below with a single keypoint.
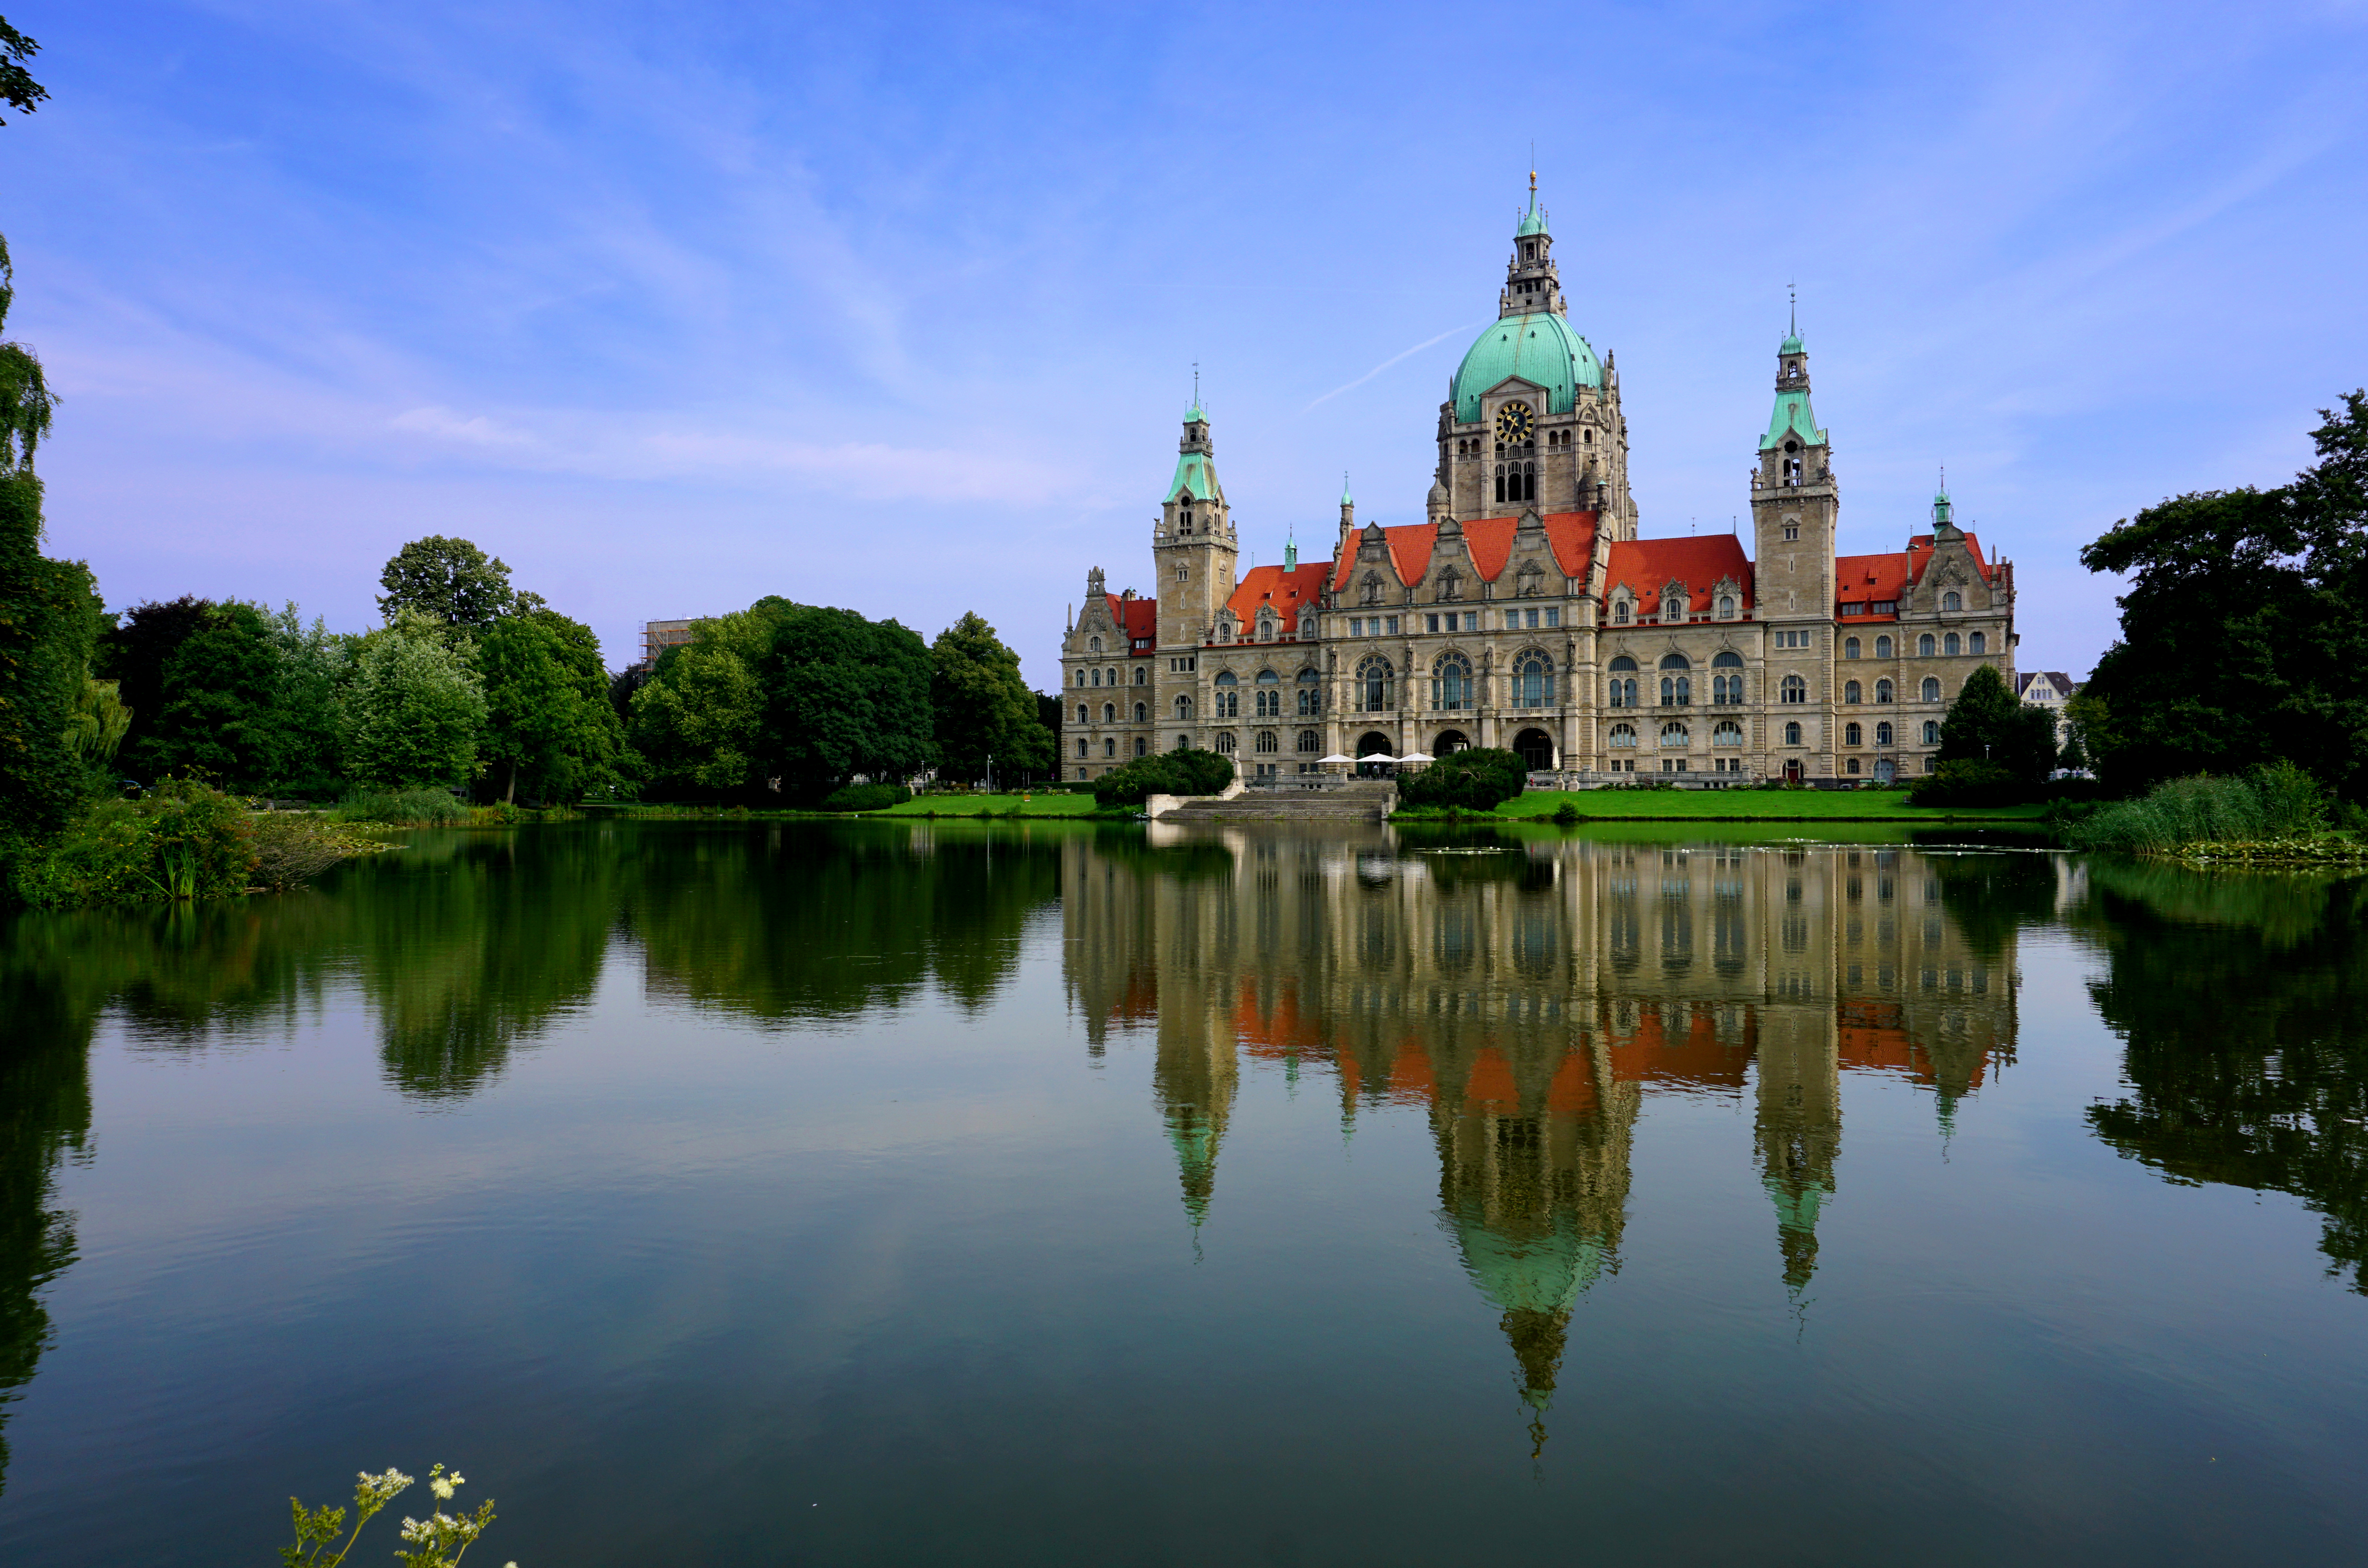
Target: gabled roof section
[
  {"x": 2058, "y": 681},
  {"x": 1570, "y": 535},
  {"x": 1137, "y": 618},
  {"x": 1646, "y": 566},
  {"x": 1793, "y": 418},
  {"x": 1920, "y": 553},
  {"x": 1287, "y": 592}
]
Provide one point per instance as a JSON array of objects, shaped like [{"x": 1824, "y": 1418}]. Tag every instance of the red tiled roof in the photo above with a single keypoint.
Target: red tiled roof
[
  {"x": 1570, "y": 535},
  {"x": 1286, "y": 591},
  {"x": 1920, "y": 553},
  {"x": 1649, "y": 565},
  {"x": 1886, "y": 578},
  {"x": 1137, "y": 618}
]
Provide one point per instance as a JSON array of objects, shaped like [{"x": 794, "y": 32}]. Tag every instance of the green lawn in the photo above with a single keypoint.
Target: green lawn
[
  {"x": 1037, "y": 805},
  {"x": 1756, "y": 805}
]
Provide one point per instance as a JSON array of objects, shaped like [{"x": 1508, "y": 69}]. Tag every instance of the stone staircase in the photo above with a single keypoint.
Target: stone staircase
[{"x": 1362, "y": 801}]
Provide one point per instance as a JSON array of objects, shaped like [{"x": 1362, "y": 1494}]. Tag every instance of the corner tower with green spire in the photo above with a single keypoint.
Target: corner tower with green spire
[
  {"x": 1192, "y": 544},
  {"x": 1532, "y": 421},
  {"x": 1795, "y": 507}
]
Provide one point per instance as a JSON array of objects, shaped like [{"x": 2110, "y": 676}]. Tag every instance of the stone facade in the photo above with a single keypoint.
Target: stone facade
[{"x": 1526, "y": 612}]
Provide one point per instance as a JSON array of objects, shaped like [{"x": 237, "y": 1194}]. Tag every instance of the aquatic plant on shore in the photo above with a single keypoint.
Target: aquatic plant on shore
[
  {"x": 442, "y": 1538},
  {"x": 2278, "y": 803}
]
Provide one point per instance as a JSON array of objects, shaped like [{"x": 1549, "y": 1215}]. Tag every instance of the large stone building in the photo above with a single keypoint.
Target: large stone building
[{"x": 1525, "y": 612}]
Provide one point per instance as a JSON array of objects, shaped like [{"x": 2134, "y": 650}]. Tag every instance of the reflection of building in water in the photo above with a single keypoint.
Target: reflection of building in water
[{"x": 1528, "y": 996}]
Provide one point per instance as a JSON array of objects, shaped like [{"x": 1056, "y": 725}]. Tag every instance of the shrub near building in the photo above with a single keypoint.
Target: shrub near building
[
  {"x": 1478, "y": 779},
  {"x": 1189, "y": 772}
]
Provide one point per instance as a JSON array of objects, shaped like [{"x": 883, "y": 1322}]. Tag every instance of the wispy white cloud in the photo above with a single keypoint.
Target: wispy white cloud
[{"x": 1393, "y": 359}]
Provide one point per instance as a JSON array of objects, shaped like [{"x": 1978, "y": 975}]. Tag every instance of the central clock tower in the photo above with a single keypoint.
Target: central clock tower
[{"x": 1192, "y": 545}]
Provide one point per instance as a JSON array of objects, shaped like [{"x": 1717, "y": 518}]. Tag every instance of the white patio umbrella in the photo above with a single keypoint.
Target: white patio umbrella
[
  {"x": 1377, "y": 756},
  {"x": 1418, "y": 757},
  {"x": 1338, "y": 757}
]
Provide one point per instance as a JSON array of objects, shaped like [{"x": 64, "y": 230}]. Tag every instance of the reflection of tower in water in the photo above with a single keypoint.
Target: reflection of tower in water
[{"x": 1533, "y": 1185}]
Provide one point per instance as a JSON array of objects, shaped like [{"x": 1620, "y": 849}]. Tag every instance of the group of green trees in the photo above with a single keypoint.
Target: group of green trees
[
  {"x": 2245, "y": 629},
  {"x": 786, "y": 703},
  {"x": 469, "y": 682}
]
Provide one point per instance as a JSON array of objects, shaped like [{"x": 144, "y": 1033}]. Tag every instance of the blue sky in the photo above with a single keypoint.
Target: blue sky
[{"x": 895, "y": 307}]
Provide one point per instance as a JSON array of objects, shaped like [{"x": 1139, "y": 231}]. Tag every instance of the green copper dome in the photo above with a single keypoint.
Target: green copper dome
[
  {"x": 1540, "y": 348},
  {"x": 1533, "y": 222}
]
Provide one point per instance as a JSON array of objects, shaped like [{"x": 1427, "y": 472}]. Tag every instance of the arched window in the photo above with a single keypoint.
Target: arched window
[
  {"x": 1851, "y": 766},
  {"x": 1093, "y": 644},
  {"x": 1677, "y": 691},
  {"x": 1109, "y": 746},
  {"x": 1676, "y": 662},
  {"x": 1267, "y": 740},
  {"x": 1620, "y": 612},
  {"x": 1228, "y": 697},
  {"x": 1374, "y": 679},
  {"x": 1622, "y": 735},
  {"x": 1183, "y": 743},
  {"x": 1726, "y": 689},
  {"x": 1795, "y": 689},
  {"x": 1270, "y": 695},
  {"x": 1726, "y": 733},
  {"x": 1097, "y": 677},
  {"x": 1883, "y": 691},
  {"x": 1792, "y": 734},
  {"x": 1931, "y": 688},
  {"x": 1225, "y": 744},
  {"x": 1500, "y": 481},
  {"x": 1924, "y": 646},
  {"x": 1675, "y": 603},
  {"x": 1141, "y": 743},
  {"x": 1674, "y": 734},
  {"x": 1882, "y": 734},
  {"x": 1451, "y": 682},
  {"x": 1311, "y": 740},
  {"x": 1310, "y": 694},
  {"x": 1532, "y": 682},
  {"x": 1850, "y": 647},
  {"x": 1952, "y": 600},
  {"x": 1976, "y": 644},
  {"x": 1184, "y": 709},
  {"x": 1529, "y": 481},
  {"x": 1932, "y": 731},
  {"x": 1852, "y": 735},
  {"x": 1726, "y": 606},
  {"x": 1623, "y": 683},
  {"x": 1849, "y": 691},
  {"x": 1883, "y": 647},
  {"x": 1110, "y": 712},
  {"x": 1142, "y": 675},
  {"x": 1949, "y": 644},
  {"x": 1082, "y": 719},
  {"x": 1142, "y": 712}
]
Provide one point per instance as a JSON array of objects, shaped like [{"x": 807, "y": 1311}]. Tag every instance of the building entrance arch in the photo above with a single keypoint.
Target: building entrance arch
[
  {"x": 1449, "y": 743},
  {"x": 1373, "y": 742},
  {"x": 1536, "y": 749}
]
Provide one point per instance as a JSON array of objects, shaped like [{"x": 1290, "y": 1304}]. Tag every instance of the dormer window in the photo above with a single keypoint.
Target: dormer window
[{"x": 1620, "y": 612}]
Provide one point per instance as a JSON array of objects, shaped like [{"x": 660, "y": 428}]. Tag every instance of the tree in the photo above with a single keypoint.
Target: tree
[
  {"x": 134, "y": 651},
  {"x": 414, "y": 708},
  {"x": 1478, "y": 779},
  {"x": 1986, "y": 724},
  {"x": 17, "y": 88},
  {"x": 218, "y": 715},
  {"x": 696, "y": 718},
  {"x": 843, "y": 695},
  {"x": 2242, "y": 640},
  {"x": 981, "y": 707},
  {"x": 49, "y": 612},
  {"x": 548, "y": 718},
  {"x": 448, "y": 580}
]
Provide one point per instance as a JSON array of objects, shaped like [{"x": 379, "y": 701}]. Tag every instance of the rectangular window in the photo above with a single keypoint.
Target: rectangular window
[
  {"x": 1533, "y": 620},
  {"x": 1434, "y": 623},
  {"x": 1554, "y": 617},
  {"x": 1356, "y": 626},
  {"x": 1853, "y": 610},
  {"x": 1471, "y": 620},
  {"x": 1884, "y": 607},
  {"x": 1393, "y": 626}
]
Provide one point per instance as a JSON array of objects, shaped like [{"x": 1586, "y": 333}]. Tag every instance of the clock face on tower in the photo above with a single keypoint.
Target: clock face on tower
[{"x": 1514, "y": 424}]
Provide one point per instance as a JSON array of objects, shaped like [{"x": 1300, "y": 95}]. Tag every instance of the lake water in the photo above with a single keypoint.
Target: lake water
[{"x": 936, "y": 1193}]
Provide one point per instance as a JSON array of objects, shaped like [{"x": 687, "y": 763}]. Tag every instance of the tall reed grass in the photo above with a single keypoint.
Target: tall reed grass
[
  {"x": 2278, "y": 802},
  {"x": 405, "y": 807}
]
